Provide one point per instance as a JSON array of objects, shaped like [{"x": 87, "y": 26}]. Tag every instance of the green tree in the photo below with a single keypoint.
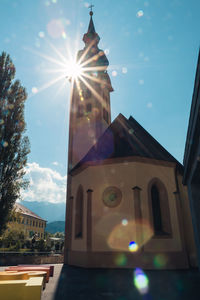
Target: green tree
[
  {"x": 14, "y": 146},
  {"x": 13, "y": 239},
  {"x": 59, "y": 235}
]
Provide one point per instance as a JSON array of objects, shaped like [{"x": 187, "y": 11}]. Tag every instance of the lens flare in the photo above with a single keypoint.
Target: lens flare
[
  {"x": 131, "y": 131},
  {"x": 114, "y": 73},
  {"x": 121, "y": 260},
  {"x": 124, "y": 222},
  {"x": 41, "y": 34},
  {"x": 124, "y": 70},
  {"x": 34, "y": 90},
  {"x": 64, "y": 36},
  {"x": 141, "y": 81},
  {"x": 55, "y": 28},
  {"x": 149, "y": 104},
  {"x": 160, "y": 261},
  {"x": 10, "y": 106},
  {"x": 141, "y": 281},
  {"x": 140, "y": 14},
  {"x": 127, "y": 235},
  {"x": 133, "y": 246},
  {"x": 4, "y": 144}
]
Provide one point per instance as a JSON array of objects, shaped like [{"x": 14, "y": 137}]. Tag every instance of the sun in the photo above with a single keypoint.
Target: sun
[
  {"x": 73, "y": 70},
  {"x": 67, "y": 66}
]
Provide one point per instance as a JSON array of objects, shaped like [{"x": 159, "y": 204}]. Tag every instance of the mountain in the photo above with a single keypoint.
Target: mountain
[
  {"x": 48, "y": 211},
  {"x": 53, "y": 227}
]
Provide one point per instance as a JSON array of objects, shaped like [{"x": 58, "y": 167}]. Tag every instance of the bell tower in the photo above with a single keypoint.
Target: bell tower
[
  {"x": 89, "y": 117},
  {"x": 90, "y": 98}
]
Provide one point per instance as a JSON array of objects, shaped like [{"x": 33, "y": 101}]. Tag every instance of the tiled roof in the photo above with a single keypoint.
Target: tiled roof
[
  {"x": 126, "y": 138},
  {"x": 19, "y": 208}
]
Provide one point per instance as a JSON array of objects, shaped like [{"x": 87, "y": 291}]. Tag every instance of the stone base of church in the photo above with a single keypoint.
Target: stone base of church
[{"x": 144, "y": 260}]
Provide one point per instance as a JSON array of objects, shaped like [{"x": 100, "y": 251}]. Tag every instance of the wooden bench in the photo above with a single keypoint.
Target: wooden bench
[{"x": 29, "y": 289}]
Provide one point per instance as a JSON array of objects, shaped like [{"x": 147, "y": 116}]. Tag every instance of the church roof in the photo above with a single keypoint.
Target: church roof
[{"x": 126, "y": 138}]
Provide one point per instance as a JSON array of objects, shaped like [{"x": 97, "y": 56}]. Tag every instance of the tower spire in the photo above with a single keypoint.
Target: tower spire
[
  {"x": 91, "y": 28},
  {"x": 91, "y": 35}
]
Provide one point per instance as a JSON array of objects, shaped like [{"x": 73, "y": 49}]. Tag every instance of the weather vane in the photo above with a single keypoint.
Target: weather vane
[{"x": 91, "y": 6}]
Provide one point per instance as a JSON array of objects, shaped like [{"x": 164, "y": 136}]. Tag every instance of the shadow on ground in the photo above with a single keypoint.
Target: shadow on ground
[{"x": 92, "y": 284}]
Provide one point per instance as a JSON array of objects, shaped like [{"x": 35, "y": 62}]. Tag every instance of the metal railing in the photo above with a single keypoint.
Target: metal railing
[{"x": 51, "y": 253}]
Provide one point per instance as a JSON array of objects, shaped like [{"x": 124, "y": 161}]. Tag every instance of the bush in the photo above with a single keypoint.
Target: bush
[{"x": 41, "y": 246}]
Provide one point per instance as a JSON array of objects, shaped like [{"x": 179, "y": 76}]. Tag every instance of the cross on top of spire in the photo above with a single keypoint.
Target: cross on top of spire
[
  {"x": 91, "y": 28},
  {"x": 91, "y": 6}
]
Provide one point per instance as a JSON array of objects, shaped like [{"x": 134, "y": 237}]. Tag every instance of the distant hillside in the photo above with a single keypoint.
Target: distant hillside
[
  {"x": 53, "y": 227},
  {"x": 48, "y": 211}
]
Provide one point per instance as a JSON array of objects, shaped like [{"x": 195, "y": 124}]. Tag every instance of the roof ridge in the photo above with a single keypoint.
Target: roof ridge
[
  {"x": 149, "y": 136},
  {"x": 27, "y": 211}
]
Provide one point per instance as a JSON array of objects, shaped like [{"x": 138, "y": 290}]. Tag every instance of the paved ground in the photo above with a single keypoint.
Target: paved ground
[
  {"x": 77, "y": 283},
  {"x": 93, "y": 284}
]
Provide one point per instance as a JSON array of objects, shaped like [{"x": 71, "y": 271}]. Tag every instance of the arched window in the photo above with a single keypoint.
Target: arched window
[
  {"x": 79, "y": 213},
  {"x": 159, "y": 208},
  {"x": 156, "y": 211}
]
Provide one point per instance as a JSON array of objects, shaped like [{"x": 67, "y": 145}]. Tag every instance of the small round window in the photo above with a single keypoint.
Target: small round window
[{"x": 112, "y": 196}]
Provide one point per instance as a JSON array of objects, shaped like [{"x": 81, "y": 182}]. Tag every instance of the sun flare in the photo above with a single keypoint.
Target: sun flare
[
  {"x": 64, "y": 66},
  {"x": 73, "y": 70}
]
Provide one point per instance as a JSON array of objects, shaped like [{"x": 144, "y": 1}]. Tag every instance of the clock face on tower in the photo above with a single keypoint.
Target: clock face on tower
[{"x": 112, "y": 196}]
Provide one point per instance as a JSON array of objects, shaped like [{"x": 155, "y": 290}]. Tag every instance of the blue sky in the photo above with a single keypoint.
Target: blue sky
[{"x": 152, "y": 47}]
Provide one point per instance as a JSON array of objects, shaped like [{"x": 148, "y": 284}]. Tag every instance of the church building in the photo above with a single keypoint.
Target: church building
[{"x": 126, "y": 204}]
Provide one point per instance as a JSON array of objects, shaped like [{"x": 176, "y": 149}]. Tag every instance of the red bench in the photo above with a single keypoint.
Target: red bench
[{"x": 45, "y": 266}]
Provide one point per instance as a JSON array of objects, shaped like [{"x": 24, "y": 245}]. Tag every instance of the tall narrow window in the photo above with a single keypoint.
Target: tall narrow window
[
  {"x": 79, "y": 213},
  {"x": 80, "y": 111},
  {"x": 157, "y": 218},
  {"x": 89, "y": 107},
  {"x": 159, "y": 208},
  {"x": 105, "y": 115},
  {"x": 86, "y": 93}
]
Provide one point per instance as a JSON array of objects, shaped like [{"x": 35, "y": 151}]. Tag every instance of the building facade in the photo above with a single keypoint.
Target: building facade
[
  {"x": 27, "y": 221},
  {"x": 126, "y": 204}
]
